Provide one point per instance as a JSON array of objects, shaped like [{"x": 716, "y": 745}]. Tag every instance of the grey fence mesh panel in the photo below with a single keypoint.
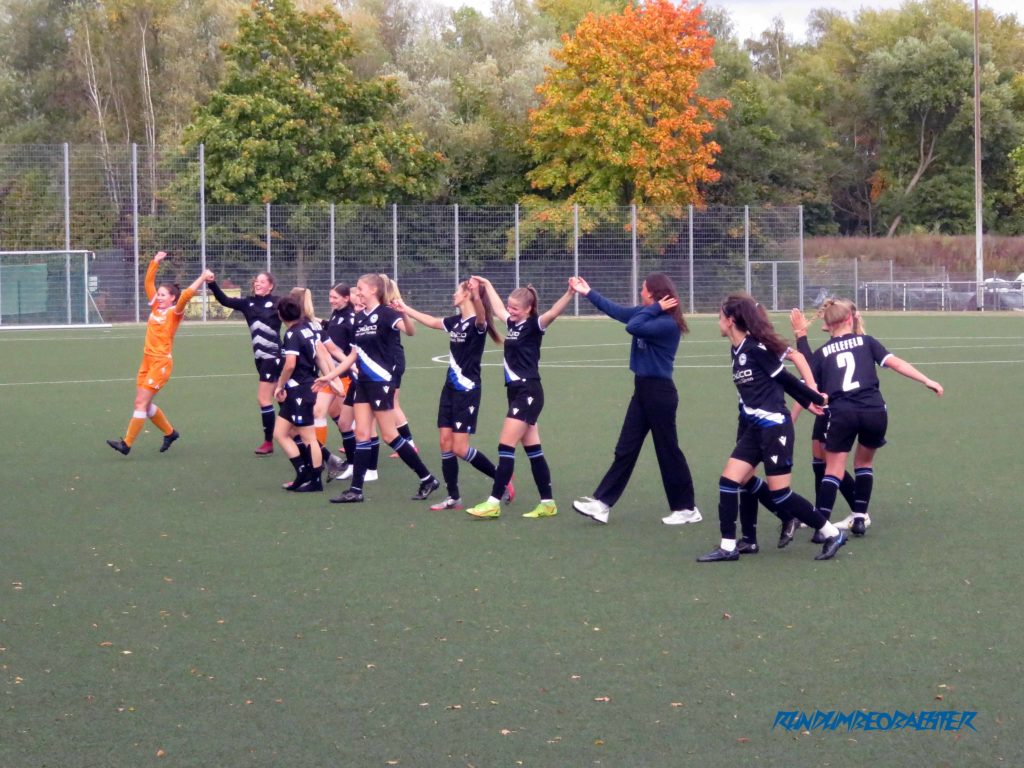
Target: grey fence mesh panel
[
  {"x": 546, "y": 255},
  {"x": 605, "y": 256},
  {"x": 363, "y": 243},
  {"x": 426, "y": 254},
  {"x": 31, "y": 197},
  {"x": 663, "y": 245},
  {"x": 487, "y": 247},
  {"x": 718, "y": 256}
]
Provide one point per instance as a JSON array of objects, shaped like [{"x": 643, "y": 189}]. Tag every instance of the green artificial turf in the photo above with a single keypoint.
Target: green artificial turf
[{"x": 180, "y": 609}]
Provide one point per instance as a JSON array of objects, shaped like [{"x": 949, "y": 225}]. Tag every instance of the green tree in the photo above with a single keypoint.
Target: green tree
[{"x": 291, "y": 123}]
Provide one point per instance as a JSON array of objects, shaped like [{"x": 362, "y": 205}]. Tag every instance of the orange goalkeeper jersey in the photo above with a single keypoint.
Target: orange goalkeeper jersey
[{"x": 162, "y": 323}]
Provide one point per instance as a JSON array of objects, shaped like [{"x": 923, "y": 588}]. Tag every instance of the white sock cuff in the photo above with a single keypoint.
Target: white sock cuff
[{"x": 138, "y": 414}]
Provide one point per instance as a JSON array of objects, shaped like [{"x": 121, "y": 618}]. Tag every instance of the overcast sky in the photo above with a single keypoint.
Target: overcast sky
[{"x": 751, "y": 17}]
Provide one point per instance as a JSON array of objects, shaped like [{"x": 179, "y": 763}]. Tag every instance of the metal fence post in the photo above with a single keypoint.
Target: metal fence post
[
  {"x": 394, "y": 242},
  {"x": 268, "y": 238},
  {"x": 634, "y": 277},
  {"x": 746, "y": 246},
  {"x": 689, "y": 217},
  {"x": 455, "y": 213},
  {"x": 332, "y": 246},
  {"x": 135, "y": 224},
  {"x": 517, "y": 246},
  {"x": 202, "y": 206},
  {"x": 892, "y": 284},
  {"x": 575, "y": 255},
  {"x": 67, "y": 226},
  {"x": 800, "y": 272}
]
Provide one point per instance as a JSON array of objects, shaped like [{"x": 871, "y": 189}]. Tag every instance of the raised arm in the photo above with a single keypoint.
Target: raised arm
[
  {"x": 497, "y": 305},
  {"x": 478, "y": 304},
  {"x": 188, "y": 293},
  {"x": 222, "y": 298},
  {"x": 154, "y": 267},
  {"x": 904, "y": 368},
  {"x": 609, "y": 307},
  {"x": 557, "y": 308},
  {"x": 421, "y": 317}
]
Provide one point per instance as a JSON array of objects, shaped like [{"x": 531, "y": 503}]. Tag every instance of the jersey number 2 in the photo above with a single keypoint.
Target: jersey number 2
[{"x": 846, "y": 360}]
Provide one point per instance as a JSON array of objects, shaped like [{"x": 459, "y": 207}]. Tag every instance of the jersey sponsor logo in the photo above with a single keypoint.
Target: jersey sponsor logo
[{"x": 742, "y": 377}]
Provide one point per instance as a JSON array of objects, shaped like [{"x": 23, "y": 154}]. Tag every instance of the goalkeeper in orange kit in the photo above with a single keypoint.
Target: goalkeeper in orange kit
[{"x": 167, "y": 308}]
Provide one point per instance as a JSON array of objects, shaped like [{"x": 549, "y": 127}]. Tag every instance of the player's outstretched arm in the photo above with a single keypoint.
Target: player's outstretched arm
[{"x": 904, "y": 368}]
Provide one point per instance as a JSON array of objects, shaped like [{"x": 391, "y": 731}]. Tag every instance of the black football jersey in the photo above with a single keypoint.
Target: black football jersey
[
  {"x": 844, "y": 368},
  {"x": 762, "y": 399},
  {"x": 375, "y": 339},
  {"x": 522, "y": 350},
  {"x": 466, "y": 347},
  {"x": 300, "y": 342}
]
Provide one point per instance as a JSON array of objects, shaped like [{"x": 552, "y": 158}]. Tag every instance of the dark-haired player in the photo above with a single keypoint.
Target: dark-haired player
[
  {"x": 167, "y": 308},
  {"x": 767, "y": 436},
  {"x": 657, "y": 326},
  {"x": 294, "y": 391}
]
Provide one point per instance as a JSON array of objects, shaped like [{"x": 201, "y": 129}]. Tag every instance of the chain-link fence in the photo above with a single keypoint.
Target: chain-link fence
[{"x": 124, "y": 203}]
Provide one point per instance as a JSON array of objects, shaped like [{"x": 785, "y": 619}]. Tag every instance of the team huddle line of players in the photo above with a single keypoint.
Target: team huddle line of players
[{"x": 350, "y": 369}]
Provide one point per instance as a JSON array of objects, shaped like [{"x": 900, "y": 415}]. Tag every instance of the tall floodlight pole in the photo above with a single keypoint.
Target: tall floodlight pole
[{"x": 979, "y": 257}]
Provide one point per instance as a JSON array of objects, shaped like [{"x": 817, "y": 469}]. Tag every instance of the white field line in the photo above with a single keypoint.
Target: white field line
[{"x": 599, "y": 363}]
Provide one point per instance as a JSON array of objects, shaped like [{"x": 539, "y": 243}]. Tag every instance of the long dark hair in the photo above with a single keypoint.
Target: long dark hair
[
  {"x": 751, "y": 318},
  {"x": 660, "y": 285},
  {"x": 485, "y": 300}
]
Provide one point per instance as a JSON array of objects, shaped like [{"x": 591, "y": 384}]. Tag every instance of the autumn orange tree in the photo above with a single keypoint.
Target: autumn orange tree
[{"x": 621, "y": 121}]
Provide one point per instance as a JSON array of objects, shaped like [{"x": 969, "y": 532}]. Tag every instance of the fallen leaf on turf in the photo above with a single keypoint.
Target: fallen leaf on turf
[
  {"x": 939, "y": 697},
  {"x": 743, "y": 740},
  {"x": 504, "y": 731},
  {"x": 106, "y": 644},
  {"x": 677, "y": 703},
  {"x": 161, "y": 753},
  {"x": 598, "y": 742},
  {"x": 602, "y": 698},
  {"x": 726, "y": 616}
]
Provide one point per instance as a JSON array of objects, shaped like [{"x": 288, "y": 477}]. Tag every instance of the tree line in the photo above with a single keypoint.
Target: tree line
[{"x": 868, "y": 124}]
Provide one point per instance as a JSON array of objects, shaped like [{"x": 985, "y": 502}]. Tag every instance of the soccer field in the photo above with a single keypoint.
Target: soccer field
[{"x": 180, "y": 609}]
